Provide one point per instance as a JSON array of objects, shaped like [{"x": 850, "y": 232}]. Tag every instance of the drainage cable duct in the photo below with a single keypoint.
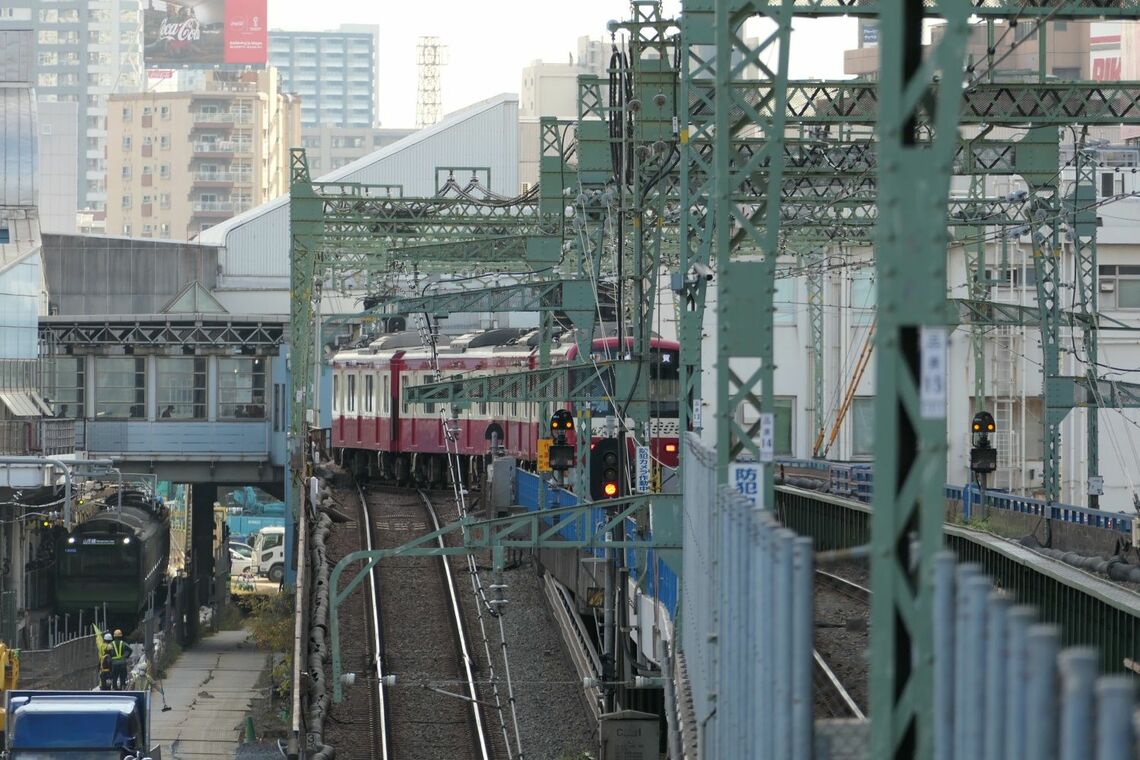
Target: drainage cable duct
[{"x": 318, "y": 645}]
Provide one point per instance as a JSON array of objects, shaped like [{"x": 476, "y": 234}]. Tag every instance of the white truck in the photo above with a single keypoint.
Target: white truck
[{"x": 269, "y": 553}]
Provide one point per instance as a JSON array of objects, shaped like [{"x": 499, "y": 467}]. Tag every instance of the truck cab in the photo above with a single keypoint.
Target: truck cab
[
  {"x": 269, "y": 552},
  {"x": 65, "y": 725}
]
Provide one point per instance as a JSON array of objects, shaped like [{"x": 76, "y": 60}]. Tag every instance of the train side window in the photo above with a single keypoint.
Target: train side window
[
  {"x": 350, "y": 392},
  {"x": 387, "y": 392},
  {"x": 369, "y": 393},
  {"x": 429, "y": 408},
  {"x": 336, "y": 393}
]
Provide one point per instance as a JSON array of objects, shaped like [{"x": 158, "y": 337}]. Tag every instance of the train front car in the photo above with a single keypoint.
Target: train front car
[
  {"x": 117, "y": 558},
  {"x": 664, "y": 389}
]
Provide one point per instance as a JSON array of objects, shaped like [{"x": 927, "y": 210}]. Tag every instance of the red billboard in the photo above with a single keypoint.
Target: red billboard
[{"x": 204, "y": 33}]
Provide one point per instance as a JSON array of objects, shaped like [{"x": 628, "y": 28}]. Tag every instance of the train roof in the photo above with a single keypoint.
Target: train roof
[{"x": 137, "y": 521}]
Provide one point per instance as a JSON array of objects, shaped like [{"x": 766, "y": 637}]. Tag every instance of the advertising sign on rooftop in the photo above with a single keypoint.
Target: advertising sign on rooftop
[{"x": 204, "y": 34}]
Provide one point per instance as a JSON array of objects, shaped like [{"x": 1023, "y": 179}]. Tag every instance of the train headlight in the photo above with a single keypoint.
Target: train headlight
[
  {"x": 127, "y": 540},
  {"x": 71, "y": 539}
]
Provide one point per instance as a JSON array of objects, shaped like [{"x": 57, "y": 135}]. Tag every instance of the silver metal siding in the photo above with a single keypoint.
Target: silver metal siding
[{"x": 259, "y": 246}]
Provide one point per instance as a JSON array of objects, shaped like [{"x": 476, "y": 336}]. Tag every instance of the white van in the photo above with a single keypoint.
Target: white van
[{"x": 269, "y": 553}]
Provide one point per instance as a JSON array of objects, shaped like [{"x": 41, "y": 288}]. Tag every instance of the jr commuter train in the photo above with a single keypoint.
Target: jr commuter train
[
  {"x": 116, "y": 557},
  {"x": 374, "y": 428}
]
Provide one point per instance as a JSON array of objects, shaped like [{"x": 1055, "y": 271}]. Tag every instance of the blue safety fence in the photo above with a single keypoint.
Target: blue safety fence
[
  {"x": 655, "y": 577},
  {"x": 856, "y": 481}
]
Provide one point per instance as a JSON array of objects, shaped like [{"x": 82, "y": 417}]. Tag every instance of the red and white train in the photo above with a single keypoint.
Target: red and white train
[{"x": 375, "y": 430}]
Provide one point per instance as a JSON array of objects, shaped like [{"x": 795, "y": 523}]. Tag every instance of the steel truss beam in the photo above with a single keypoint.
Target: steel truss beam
[
  {"x": 910, "y": 371},
  {"x": 1083, "y": 224},
  {"x": 965, "y": 311},
  {"x": 991, "y": 103},
  {"x": 1000, "y": 9},
  {"x": 529, "y": 530},
  {"x": 157, "y": 331},
  {"x": 572, "y": 296}
]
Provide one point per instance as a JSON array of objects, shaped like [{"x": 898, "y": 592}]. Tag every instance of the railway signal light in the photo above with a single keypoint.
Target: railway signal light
[
  {"x": 605, "y": 470},
  {"x": 562, "y": 454},
  {"x": 983, "y": 456}
]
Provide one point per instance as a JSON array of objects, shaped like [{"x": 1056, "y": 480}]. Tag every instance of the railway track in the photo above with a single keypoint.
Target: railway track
[
  {"x": 840, "y": 666},
  {"x": 419, "y": 636}
]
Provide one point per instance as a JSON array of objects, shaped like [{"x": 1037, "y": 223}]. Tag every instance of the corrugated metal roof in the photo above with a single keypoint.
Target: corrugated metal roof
[
  {"x": 256, "y": 243},
  {"x": 17, "y": 146},
  {"x": 21, "y": 404}
]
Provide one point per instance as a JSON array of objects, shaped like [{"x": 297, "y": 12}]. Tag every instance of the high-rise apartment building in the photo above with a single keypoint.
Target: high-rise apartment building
[
  {"x": 85, "y": 51},
  {"x": 333, "y": 72},
  {"x": 180, "y": 162}
]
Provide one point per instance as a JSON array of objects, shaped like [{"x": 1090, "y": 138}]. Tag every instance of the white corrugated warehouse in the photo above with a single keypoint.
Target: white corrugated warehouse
[{"x": 253, "y": 274}]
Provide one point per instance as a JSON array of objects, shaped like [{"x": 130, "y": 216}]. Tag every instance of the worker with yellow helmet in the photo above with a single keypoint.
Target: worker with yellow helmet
[{"x": 120, "y": 654}]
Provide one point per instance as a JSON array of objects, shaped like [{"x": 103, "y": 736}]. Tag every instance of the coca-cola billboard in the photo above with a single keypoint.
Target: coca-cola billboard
[{"x": 204, "y": 33}]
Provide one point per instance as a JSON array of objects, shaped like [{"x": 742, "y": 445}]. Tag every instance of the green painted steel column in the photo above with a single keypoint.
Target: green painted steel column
[
  {"x": 745, "y": 288},
  {"x": 1084, "y": 250},
  {"x": 697, "y": 212},
  {"x": 306, "y": 227},
  {"x": 910, "y": 400},
  {"x": 979, "y": 289}
]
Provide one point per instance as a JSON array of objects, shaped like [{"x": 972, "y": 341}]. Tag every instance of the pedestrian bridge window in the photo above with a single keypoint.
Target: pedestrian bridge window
[
  {"x": 182, "y": 388},
  {"x": 241, "y": 388},
  {"x": 120, "y": 388},
  {"x": 63, "y": 384}
]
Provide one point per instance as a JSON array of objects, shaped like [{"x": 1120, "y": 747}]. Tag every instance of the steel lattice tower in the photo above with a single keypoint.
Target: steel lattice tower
[{"x": 430, "y": 54}]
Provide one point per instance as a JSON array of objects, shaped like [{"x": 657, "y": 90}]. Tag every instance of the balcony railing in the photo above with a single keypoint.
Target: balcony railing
[
  {"x": 223, "y": 117},
  {"x": 47, "y": 436},
  {"x": 211, "y": 207},
  {"x": 223, "y": 146},
  {"x": 241, "y": 178}
]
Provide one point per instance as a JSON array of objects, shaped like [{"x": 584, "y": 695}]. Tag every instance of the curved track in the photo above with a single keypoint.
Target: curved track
[
  {"x": 840, "y": 665},
  {"x": 434, "y": 710}
]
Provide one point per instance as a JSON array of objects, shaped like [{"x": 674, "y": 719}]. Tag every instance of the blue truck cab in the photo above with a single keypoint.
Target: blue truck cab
[{"x": 64, "y": 725}]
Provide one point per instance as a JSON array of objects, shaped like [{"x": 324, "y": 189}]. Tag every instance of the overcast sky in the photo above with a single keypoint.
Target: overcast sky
[{"x": 489, "y": 43}]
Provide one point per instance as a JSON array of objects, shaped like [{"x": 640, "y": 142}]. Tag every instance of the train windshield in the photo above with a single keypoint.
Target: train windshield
[
  {"x": 101, "y": 560},
  {"x": 664, "y": 382}
]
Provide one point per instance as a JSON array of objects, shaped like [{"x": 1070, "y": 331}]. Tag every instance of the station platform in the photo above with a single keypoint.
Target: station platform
[{"x": 209, "y": 689}]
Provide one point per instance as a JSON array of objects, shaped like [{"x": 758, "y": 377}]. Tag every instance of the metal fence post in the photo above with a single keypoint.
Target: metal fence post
[
  {"x": 785, "y": 540},
  {"x": 1043, "y": 644},
  {"x": 1019, "y": 620},
  {"x": 944, "y": 650},
  {"x": 763, "y": 571},
  {"x": 1078, "y": 675},
  {"x": 802, "y": 615},
  {"x": 1115, "y": 701},
  {"x": 996, "y": 674},
  {"x": 962, "y": 654},
  {"x": 971, "y": 668}
]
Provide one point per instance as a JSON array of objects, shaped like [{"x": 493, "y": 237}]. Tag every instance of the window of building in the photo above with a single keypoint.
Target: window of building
[
  {"x": 127, "y": 230},
  {"x": 148, "y": 230},
  {"x": 147, "y": 199},
  {"x": 148, "y": 140},
  {"x": 126, "y": 113},
  {"x": 182, "y": 388},
  {"x": 164, "y": 112},
  {"x": 863, "y": 426},
  {"x": 164, "y": 200},
  {"x": 1119, "y": 287},
  {"x": 126, "y": 142},
  {"x": 126, "y": 171},
  {"x": 49, "y": 59},
  {"x": 784, "y": 299},
  {"x": 63, "y": 383},
  {"x": 126, "y": 201},
  {"x": 164, "y": 230},
  {"x": 241, "y": 388},
  {"x": 164, "y": 142},
  {"x": 120, "y": 387},
  {"x": 164, "y": 171},
  {"x": 47, "y": 79},
  {"x": 785, "y": 412},
  {"x": 48, "y": 37},
  {"x": 863, "y": 298}
]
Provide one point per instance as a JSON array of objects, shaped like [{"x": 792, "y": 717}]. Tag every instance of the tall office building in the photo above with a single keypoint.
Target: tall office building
[
  {"x": 85, "y": 51},
  {"x": 333, "y": 72},
  {"x": 180, "y": 162}
]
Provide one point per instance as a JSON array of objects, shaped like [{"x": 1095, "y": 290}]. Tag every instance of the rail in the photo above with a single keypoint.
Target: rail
[
  {"x": 1089, "y": 610},
  {"x": 377, "y": 637},
  {"x": 831, "y": 681},
  {"x": 582, "y": 653},
  {"x": 461, "y": 637}
]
